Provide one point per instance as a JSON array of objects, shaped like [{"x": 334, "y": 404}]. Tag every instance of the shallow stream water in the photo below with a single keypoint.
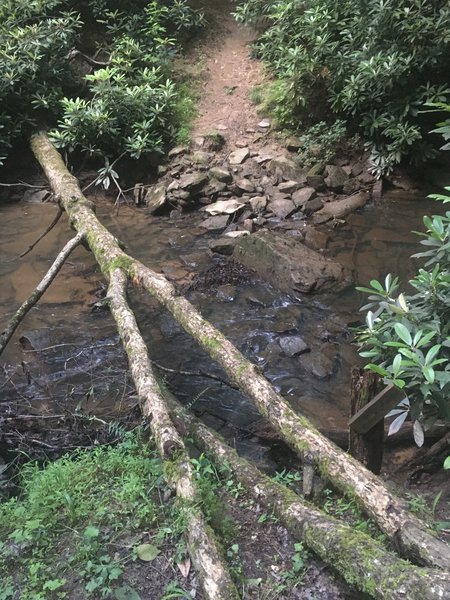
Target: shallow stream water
[{"x": 66, "y": 355}]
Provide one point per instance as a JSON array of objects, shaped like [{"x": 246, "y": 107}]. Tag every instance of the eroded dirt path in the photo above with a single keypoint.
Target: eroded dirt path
[{"x": 229, "y": 77}]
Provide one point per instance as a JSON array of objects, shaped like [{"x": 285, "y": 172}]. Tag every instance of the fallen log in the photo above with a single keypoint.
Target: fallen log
[
  {"x": 201, "y": 543},
  {"x": 411, "y": 535},
  {"x": 359, "y": 559}
]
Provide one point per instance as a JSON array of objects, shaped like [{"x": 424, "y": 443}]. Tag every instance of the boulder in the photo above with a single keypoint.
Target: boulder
[
  {"x": 281, "y": 207},
  {"x": 223, "y": 245},
  {"x": 293, "y": 345},
  {"x": 245, "y": 185},
  {"x": 312, "y": 206},
  {"x": 177, "y": 151},
  {"x": 224, "y": 207},
  {"x": 193, "y": 182},
  {"x": 288, "y": 187},
  {"x": 220, "y": 174},
  {"x": 341, "y": 208},
  {"x": 217, "y": 223},
  {"x": 156, "y": 197},
  {"x": 239, "y": 156},
  {"x": 287, "y": 168},
  {"x": 288, "y": 264},
  {"x": 258, "y": 203},
  {"x": 200, "y": 157},
  {"x": 301, "y": 197},
  {"x": 335, "y": 178}
]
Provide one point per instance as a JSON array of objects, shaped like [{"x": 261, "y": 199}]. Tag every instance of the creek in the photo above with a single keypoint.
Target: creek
[{"x": 66, "y": 356}]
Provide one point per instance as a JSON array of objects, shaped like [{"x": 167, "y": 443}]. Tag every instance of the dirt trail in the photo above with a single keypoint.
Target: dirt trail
[{"x": 230, "y": 75}]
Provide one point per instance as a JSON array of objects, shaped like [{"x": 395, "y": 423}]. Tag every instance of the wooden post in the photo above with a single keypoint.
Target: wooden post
[{"x": 366, "y": 447}]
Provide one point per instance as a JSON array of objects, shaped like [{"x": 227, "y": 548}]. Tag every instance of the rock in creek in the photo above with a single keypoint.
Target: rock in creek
[
  {"x": 217, "y": 223},
  {"x": 156, "y": 197},
  {"x": 281, "y": 207},
  {"x": 288, "y": 264},
  {"x": 293, "y": 345}
]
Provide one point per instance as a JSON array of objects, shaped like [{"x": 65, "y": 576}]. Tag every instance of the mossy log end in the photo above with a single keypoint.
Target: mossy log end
[
  {"x": 363, "y": 562},
  {"x": 347, "y": 474}
]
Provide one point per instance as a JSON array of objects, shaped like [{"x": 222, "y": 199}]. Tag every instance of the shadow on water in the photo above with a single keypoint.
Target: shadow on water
[{"x": 66, "y": 357}]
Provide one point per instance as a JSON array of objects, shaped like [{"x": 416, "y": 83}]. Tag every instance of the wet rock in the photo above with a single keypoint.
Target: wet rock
[
  {"x": 258, "y": 203},
  {"x": 281, "y": 207},
  {"x": 245, "y": 185},
  {"x": 335, "y": 178},
  {"x": 239, "y": 156},
  {"x": 315, "y": 239},
  {"x": 177, "y": 151},
  {"x": 289, "y": 264},
  {"x": 193, "y": 182},
  {"x": 217, "y": 223},
  {"x": 226, "y": 207},
  {"x": 287, "y": 168},
  {"x": 402, "y": 181},
  {"x": 226, "y": 292},
  {"x": 312, "y": 206},
  {"x": 366, "y": 177},
  {"x": 156, "y": 198},
  {"x": 293, "y": 345},
  {"x": 341, "y": 208},
  {"x": 351, "y": 186},
  {"x": 301, "y": 197},
  {"x": 223, "y": 245},
  {"x": 314, "y": 177},
  {"x": 220, "y": 174},
  {"x": 36, "y": 196},
  {"x": 288, "y": 187}
]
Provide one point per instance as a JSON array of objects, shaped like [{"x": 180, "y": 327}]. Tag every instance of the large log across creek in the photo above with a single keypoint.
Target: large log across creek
[{"x": 411, "y": 536}]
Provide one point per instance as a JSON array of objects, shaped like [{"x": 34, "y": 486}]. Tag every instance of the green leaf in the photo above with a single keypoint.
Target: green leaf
[
  {"x": 91, "y": 532},
  {"x": 403, "y": 333},
  {"x": 147, "y": 552},
  {"x": 377, "y": 369},
  {"x": 447, "y": 463},
  {"x": 419, "y": 435},
  {"x": 126, "y": 593},
  {"x": 377, "y": 286},
  {"x": 428, "y": 373}
]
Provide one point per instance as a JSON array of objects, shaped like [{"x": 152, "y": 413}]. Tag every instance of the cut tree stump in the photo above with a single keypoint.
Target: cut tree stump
[{"x": 366, "y": 447}]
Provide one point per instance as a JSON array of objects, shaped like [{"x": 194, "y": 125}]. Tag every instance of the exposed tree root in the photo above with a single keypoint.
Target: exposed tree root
[{"x": 412, "y": 536}]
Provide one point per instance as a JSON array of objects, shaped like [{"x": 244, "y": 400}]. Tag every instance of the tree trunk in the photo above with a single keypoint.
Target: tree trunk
[
  {"x": 360, "y": 560},
  {"x": 349, "y": 476}
]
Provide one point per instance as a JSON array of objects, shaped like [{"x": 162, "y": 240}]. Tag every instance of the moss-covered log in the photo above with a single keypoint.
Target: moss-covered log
[
  {"x": 201, "y": 542},
  {"x": 411, "y": 535},
  {"x": 359, "y": 559}
]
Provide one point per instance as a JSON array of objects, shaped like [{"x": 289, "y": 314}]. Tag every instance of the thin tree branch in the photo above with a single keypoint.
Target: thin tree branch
[
  {"x": 49, "y": 228},
  {"x": 35, "y": 296}
]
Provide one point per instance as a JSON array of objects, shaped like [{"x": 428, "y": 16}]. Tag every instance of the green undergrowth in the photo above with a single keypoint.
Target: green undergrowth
[
  {"x": 77, "y": 524},
  {"x": 90, "y": 525}
]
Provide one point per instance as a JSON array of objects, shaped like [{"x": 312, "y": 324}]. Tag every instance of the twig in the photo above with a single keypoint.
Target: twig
[
  {"x": 194, "y": 374},
  {"x": 38, "y": 291},
  {"x": 49, "y": 228},
  {"x": 88, "y": 59},
  {"x": 23, "y": 184}
]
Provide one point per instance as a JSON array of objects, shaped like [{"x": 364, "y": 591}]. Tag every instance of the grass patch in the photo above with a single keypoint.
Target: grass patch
[{"x": 78, "y": 523}]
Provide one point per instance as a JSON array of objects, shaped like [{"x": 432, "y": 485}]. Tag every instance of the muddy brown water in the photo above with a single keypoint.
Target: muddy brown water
[{"x": 66, "y": 355}]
